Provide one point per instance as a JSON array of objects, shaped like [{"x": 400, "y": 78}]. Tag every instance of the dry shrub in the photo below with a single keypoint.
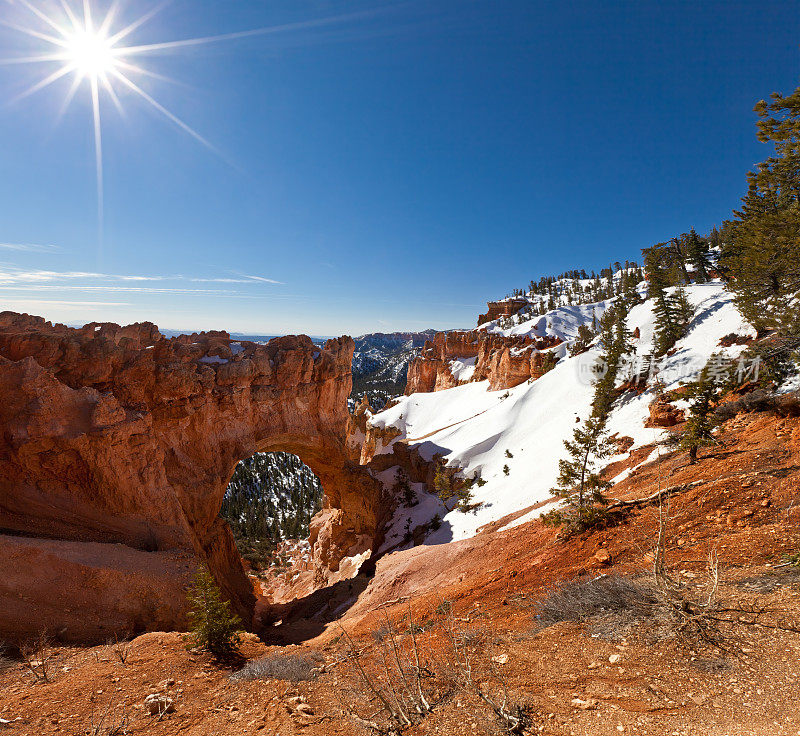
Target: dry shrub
[
  {"x": 770, "y": 581},
  {"x": 39, "y": 657},
  {"x": 582, "y": 599},
  {"x": 758, "y": 400},
  {"x": 408, "y": 670},
  {"x": 701, "y": 617},
  {"x": 120, "y": 648},
  {"x": 292, "y": 667},
  {"x": 111, "y": 722}
]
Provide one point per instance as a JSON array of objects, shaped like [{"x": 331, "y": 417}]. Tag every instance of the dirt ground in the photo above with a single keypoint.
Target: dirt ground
[{"x": 615, "y": 672}]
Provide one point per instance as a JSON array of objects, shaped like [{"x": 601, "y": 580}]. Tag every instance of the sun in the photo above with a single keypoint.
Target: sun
[{"x": 91, "y": 53}]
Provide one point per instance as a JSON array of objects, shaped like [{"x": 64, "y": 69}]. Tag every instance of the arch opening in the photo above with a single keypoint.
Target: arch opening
[{"x": 269, "y": 504}]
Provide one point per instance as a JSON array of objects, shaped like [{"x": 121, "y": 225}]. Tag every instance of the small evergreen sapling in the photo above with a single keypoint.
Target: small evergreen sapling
[
  {"x": 701, "y": 422},
  {"x": 213, "y": 626},
  {"x": 403, "y": 488},
  {"x": 673, "y": 313},
  {"x": 447, "y": 487},
  {"x": 579, "y": 481}
]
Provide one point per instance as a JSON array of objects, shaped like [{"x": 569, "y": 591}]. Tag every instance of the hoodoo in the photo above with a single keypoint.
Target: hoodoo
[{"x": 118, "y": 445}]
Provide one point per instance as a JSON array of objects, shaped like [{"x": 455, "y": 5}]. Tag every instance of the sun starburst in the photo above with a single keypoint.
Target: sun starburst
[{"x": 95, "y": 53}]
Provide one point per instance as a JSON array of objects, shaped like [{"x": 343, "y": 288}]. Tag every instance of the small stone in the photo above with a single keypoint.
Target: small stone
[
  {"x": 157, "y": 704},
  {"x": 500, "y": 659},
  {"x": 589, "y": 704},
  {"x": 614, "y": 658},
  {"x": 602, "y": 556}
]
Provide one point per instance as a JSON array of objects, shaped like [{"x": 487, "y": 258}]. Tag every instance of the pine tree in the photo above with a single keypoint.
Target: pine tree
[
  {"x": 582, "y": 342},
  {"x": 213, "y": 626},
  {"x": 698, "y": 432},
  {"x": 403, "y": 488},
  {"x": 673, "y": 315},
  {"x": 698, "y": 254},
  {"x": 579, "y": 482},
  {"x": 679, "y": 258},
  {"x": 442, "y": 483},
  {"x": 630, "y": 294},
  {"x": 614, "y": 338},
  {"x": 761, "y": 245},
  {"x": 684, "y": 311}
]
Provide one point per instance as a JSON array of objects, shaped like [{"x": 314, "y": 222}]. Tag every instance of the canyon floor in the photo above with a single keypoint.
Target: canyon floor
[{"x": 614, "y": 671}]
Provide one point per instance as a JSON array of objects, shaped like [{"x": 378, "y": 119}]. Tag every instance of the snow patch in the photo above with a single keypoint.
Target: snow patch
[{"x": 463, "y": 369}]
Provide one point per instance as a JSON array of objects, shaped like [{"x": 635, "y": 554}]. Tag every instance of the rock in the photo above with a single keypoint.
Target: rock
[
  {"x": 663, "y": 414},
  {"x": 602, "y": 556},
  {"x": 157, "y": 704},
  {"x": 118, "y": 447},
  {"x": 500, "y": 659},
  {"x": 503, "y": 308},
  {"x": 589, "y": 704},
  {"x": 614, "y": 658},
  {"x": 504, "y": 361}
]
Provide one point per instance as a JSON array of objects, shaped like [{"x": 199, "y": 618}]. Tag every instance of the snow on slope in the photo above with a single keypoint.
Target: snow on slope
[
  {"x": 562, "y": 322},
  {"x": 715, "y": 315},
  {"x": 473, "y": 428}
]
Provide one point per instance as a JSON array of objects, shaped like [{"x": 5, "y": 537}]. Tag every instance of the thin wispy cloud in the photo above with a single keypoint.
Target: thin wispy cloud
[
  {"x": 44, "y": 303},
  {"x": 113, "y": 289},
  {"x": 30, "y": 247},
  {"x": 251, "y": 277},
  {"x": 9, "y": 292},
  {"x": 13, "y": 275}
]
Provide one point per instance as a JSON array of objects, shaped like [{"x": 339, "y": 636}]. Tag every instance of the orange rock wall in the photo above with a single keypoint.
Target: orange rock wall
[{"x": 503, "y": 361}]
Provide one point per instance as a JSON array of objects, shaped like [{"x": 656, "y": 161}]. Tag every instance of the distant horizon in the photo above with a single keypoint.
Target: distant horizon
[
  {"x": 236, "y": 334},
  {"x": 371, "y": 166}
]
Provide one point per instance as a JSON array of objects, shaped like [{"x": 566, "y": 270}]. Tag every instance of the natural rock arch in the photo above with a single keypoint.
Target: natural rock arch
[{"x": 118, "y": 445}]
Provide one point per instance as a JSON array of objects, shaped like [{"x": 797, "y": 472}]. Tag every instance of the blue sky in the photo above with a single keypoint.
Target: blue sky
[{"x": 378, "y": 165}]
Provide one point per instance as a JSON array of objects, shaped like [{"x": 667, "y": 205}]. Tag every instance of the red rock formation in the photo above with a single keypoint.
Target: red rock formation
[
  {"x": 503, "y": 361},
  {"x": 430, "y": 371},
  {"x": 663, "y": 414},
  {"x": 364, "y": 440},
  {"x": 503, "y": 308},
  {"x": 117, "y": 436}
]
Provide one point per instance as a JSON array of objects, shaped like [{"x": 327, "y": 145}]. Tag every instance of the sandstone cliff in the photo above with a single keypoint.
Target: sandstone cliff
[{"x": 503, "y": 361}]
